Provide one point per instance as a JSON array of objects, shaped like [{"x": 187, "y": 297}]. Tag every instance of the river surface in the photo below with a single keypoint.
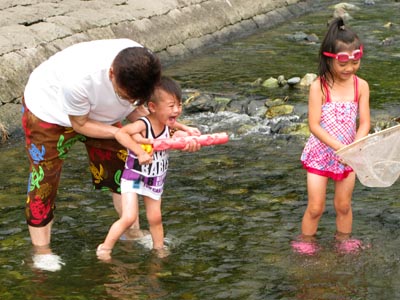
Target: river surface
[{"x": 230, "y": 211}]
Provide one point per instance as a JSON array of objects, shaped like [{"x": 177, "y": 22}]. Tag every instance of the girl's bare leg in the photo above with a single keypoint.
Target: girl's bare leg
[
  {"x": 316, "y": 186},
  {"x": 342, "y": 203}
]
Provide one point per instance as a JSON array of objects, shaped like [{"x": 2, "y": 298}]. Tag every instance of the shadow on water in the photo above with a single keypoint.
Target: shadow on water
[{"x": 230, "y": 211}]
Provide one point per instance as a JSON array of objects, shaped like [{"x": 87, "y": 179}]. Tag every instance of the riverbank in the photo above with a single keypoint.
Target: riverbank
[{"x": 32, "y": 31}]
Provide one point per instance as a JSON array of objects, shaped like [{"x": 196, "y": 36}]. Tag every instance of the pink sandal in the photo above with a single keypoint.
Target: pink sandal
[
  {"x": 349, "y": 246},
  {"x": 305, "y": 248}
]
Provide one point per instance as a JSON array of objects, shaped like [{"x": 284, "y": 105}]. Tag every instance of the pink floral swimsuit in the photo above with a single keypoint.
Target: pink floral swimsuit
[{"x": 339, "y": 120}]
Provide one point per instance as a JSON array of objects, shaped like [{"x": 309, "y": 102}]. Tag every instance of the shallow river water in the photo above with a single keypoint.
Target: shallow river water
[{"x": 230, "y": 211}]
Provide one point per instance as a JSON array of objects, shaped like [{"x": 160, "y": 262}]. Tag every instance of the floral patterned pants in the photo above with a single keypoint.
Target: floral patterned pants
[{"x": 47, "y": 146}]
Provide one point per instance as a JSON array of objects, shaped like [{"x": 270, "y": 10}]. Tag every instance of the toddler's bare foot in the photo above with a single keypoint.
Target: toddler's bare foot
[
  {"x": 162, "y": 252},
  {"x": 103, "y": 253}
]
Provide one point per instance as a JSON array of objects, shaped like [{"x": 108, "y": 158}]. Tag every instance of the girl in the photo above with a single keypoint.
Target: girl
[
  {"x": 144, "y": 172},
  {"x": 335, "y": 99}
]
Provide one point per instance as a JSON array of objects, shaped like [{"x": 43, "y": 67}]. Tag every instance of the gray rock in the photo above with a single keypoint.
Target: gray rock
[{"x": 293, "y": 81}]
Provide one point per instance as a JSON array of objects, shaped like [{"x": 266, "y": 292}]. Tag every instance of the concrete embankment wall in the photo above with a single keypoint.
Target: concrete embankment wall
[{"x": 33, "y": 30}]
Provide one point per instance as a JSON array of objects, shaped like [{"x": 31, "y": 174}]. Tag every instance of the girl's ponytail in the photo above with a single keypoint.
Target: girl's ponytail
[{"x": 338, "y": 38}]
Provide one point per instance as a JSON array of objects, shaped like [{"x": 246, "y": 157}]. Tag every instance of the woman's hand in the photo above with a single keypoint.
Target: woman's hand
[
  {"x": 192, "y": 131},
  {"x": 192, "y": 146}
]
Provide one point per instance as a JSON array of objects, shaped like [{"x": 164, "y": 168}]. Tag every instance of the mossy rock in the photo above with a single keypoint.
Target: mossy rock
[
  {"x": 270, "y": 83},
  {"x": 280, "y": 110},
  {"x": 297, "y": 129}
]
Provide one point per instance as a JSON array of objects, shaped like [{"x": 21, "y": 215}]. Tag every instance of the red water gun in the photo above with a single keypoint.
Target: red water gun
[{"x": 179, "y": 141}]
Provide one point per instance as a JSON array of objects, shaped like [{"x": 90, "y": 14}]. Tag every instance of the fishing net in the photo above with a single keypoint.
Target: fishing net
[{"x": 375, "y": 158}]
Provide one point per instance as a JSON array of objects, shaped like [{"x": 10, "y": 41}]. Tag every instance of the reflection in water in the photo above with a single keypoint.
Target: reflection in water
[
  {"x": 121, "y": 285},
  {"x": 329, "y": 277}
]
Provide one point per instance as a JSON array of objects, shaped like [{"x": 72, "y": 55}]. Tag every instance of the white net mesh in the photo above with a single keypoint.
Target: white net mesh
[{"x": 375, "y": 158}]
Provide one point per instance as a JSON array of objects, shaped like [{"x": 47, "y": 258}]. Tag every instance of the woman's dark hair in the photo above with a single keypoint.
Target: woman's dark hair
[
  {"x": 338, "y": 38},
  {"x": 137, "y": 71}
]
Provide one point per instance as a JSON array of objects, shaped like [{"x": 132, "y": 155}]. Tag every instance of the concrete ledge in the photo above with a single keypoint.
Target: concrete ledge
[{"x": 32, "y": 31}]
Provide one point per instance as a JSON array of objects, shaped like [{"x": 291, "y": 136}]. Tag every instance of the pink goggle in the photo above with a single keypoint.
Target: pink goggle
[{"x": 345, "y": 57}]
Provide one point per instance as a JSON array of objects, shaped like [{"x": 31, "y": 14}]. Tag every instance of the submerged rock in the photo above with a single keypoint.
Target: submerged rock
[
  {"x": 281, "y": 80},
  {"x": 279, "y": 110},
  {"x": 297, "y": 129},
  {"x": 257, "y": 82},
  {"x": 303, "y": 37},
  {"x": 201, "y": 102},
  {"x": 271, "y": 83},
  {"x": 308, "y": 79},
  {"x": 313, "y": 38},
  {"x": 388, "y": 25},
  {"x": 297, "y": 36},
  {"x": 275, "y": 102},
  {"x": 256, "y": 108},
  {"x": 387, "y": 42},
  {"x": 345, "y": 5}
]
